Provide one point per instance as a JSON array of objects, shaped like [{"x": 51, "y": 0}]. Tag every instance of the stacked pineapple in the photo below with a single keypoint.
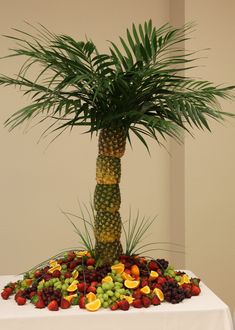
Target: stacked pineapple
[{"x": 107, "y": 198}]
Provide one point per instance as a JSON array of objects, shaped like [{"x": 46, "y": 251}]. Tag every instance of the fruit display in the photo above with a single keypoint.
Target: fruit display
[{"x": 76, "y": 278}]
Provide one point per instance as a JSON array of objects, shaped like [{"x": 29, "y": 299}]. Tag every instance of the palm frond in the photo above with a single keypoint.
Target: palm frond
[{"x": 142, "y": 84}]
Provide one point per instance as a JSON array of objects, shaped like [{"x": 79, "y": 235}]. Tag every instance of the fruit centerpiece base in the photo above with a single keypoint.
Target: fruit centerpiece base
[{"x": 77, "y": 279}]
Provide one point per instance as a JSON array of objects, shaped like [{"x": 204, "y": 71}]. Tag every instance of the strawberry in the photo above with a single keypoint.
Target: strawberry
[
  {"x": 67, "y": 275},
  {"x": 40, "y": 303},
  {"x": 94, "y": 283},
  {"x": 195, "y": 290},
  {"x": 18, "y": 294},
  {"x": 33, "y": 293},
  {"x": 114, "y": 307},
  {"x": 82, "y": 286},
  {"x": 9, "y": 290},
  {"x": 73, "y": 264},
  {"x": 137, "y": 303},
  {"x": 123, "y": 305},
  {"x": 161, "y": 280},
  {"x": 155, "y": 301},
  {"x": 153, "y": 265},
  {"x": 144, "y": 282},
  {"x": 37, "y": 273},
  {"x": 91, "y": 289},
  {"x": 5, "y": 295},
  {"x": 21, "y": 300},
  {"x": 64, "y": 304},
  {"x": 146, "y": 301},
  {"x": 70, "y": 256},
  {"x": 53, "y": 306},
  {"x": 137, "y": 294},
  {"x": 56, "y": 273},
  {"x": 82, "y": 302},
  {"x": 90, "y": 262}
]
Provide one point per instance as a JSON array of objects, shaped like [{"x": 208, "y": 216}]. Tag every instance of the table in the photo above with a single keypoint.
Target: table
[{"x": 204, "y": 312}]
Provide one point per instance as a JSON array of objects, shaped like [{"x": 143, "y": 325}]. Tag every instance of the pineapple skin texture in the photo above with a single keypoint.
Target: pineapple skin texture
[{"x": 107, "y": 198}]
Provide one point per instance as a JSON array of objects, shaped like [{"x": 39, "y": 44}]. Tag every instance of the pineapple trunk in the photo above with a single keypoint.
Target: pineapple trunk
[{"x": 107, "y": 199}]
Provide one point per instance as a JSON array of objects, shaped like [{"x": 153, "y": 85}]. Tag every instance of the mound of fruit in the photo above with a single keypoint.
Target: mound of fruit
[{"x": 77, "y": 279}]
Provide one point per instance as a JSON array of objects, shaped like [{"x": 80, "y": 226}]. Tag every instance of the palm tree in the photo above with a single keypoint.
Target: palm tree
[{"x": 141, "y": 90}]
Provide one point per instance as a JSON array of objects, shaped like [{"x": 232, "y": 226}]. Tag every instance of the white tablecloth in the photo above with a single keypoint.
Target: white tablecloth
[{"x": 204, "y": 312}]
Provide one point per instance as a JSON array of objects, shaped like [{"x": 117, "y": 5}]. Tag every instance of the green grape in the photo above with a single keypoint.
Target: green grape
[
  {"x": 67, "y": 280},
  {"x": 117, "y": 294},
  {"x": 99, "y": 290},
  {"x": 105, "y": 286},
  {"x": 64, "y": 287},
  {"x": 110, "y": 293},
  {"x": 105, "y": 304},
  {"x": 105, "y": 296},
  {"x": 64, "y": 266},
  {"x": 114, "y": 298}
]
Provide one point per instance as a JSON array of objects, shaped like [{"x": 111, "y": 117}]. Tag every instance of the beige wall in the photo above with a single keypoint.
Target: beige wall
[
  {"x": 210, "y": 158},
  {"x": 36, "y": 183}
]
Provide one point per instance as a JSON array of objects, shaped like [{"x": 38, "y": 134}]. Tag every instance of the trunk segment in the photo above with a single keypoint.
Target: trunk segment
[{"x": 107, "y": 199}]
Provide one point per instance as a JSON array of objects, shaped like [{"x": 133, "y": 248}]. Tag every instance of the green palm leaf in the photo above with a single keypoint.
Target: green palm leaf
[{"x": 140, "y": 86}]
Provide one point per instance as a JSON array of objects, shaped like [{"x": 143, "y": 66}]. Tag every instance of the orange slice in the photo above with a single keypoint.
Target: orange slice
[
  {"x": 107, "y": 279},
  {"x": 91, "y": 297},
  {"x": 56, "y": 267},
  {"x": 28, "y": 281},
  {"x": 129, "y": 299},
  {"x": 93, "y": 305},
  {"x": 73, "y": 286},
  {"x": 135, "y": 270},
  {"x": 53, "y": 263},
  {"x": 126, "y": 276},
  {"x": 153, "y": 275},
  {"x": 131, "y": 284},
  {"x": 184, "y": 279},
  {"x": 158, "y": 292},
  {"x": 70, "y": 297},
  {"x": 119, "y": 268},
  {"x": 145, "y": 289},
  {"x": 81, "y": 253},
  {"x": 75, "y": 274}
]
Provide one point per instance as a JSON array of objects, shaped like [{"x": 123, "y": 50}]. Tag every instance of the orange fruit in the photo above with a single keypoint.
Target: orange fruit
[
  {"x": 126, "y": 276},
  {"x": 131, "y": 284},
  {"x": 53, "y": 263},
  {"x": 90, "y": 297},
  {"x": 135, "y": 270},
  {"x": 107, "y": 279},
  {"x": 70, "y": 297},
  {"x": 56, "y": 267},
  {"x": 93, "y": 305},
  {"x": 119, "y": 268},
  {"x": 153, "y": 275},
  {"x": 158, "y": 292},
  {"x": 129, "y": 299},
  {"x": 184, "y": 279},
  {"x": 145, "y": 289},
  {"x": 75, "y": 274},
  {"x": 81, "y": 253},
  {"x": 73, "y": 286}
]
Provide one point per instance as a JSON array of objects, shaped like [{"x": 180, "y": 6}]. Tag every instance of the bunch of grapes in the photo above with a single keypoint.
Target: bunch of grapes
[
  {"x": 173, "y": 293},
  {"x": 162, "y": 263},
  {"x": 112, "y": 291},
  {"x": 49, "y": 294}
]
